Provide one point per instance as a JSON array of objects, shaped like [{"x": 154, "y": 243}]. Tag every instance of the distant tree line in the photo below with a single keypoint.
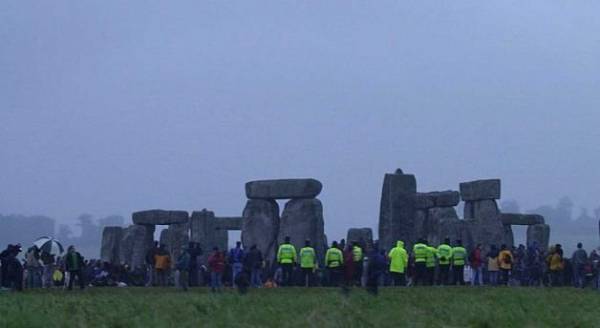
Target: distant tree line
[
  {"x": 26, "y": 229},
  {"x": 568, "y": 226}
]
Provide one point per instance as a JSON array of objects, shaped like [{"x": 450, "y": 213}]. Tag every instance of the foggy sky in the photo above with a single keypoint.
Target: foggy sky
[{"x": 116, "y": 106}]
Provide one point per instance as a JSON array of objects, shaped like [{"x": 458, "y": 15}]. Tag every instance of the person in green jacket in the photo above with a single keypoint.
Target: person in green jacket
[
  {"x": 74, "y": 265},
  {"x": 398, "y": 263},
  {"x": 308, "y": 262},
  {"x": 420, "y": 250},
  {"x": 357, "y": 258},
  {"x": 444, "y": 253},
  {"x": 430, "y": 265},
  {"x": 286, "y": 257},
  {"x": 333, "y": 261},
  {"x": 459, "y": 256}
]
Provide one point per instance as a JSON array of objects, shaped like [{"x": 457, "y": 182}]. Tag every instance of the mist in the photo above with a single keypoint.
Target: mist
[{"x": 108, "y": 107}]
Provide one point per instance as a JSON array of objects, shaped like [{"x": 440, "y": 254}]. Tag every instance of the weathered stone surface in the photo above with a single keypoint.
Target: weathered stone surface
[
  {"x": 260, "y": 226},
  {"x": 364, "y": 236},
  {"x": 422, "y": 227},
  {"x": 424, "y": 201},
  {"x": 303, "y": 219},
  {"x": 160, "y": 217},
  {"x": 136, "y": 241},
  {"x": 397, "y": 210},
  {"x": 521, "y": 219},
  {"x": 480, "y": 190},
  {"x": 427, "y": 200},
  {"x": 483, "y": 210},
  {"x": 446, "y": 198},
  {"x": 204, "y": 229},
  {"x": 177, "y": 239},
  {"x": 509, "y": 237},
  {"x": 229, "y": 222},
  {"x": 437, "y": 224},
  {"x": 437, "y": 214},
  {"x": 539, "y": 234},
  {"x": 111, "y": 242},
  {"x": 283, "y": 189},
  {"x": 487, "y": 232},
  {"x": 453, "y": 229}
]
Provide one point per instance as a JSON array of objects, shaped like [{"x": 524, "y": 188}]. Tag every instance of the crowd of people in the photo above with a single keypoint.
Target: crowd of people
[{"x": 342, "y": 265}]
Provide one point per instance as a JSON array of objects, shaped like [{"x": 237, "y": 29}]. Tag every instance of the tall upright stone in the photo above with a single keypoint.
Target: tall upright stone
[
  {"x": 363, "y": 236},
  {"x": 135, "y": 243},
  {"x": 482, "y": 214},
  {"x": 539, "y": 234},
  {"x": 205, "y": 231},
  {"x": 303, "y": 219},
  {"x": 177, "y": 239},
  {"x": 397, "y": 210},
  {"x": 111, "y": 242},
  {"x": 260, "y": 226}
]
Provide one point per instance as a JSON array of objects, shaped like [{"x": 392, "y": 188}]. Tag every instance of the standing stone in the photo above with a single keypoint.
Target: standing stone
[
  {"x": 540, "y": 234},
  {"x": 205, "y": 231},
  {"x": 111, "y": 242},
  {"x": 422, "y": 227},
  {"x": 480, "y": 190},
  {"x": 283, "y": 189},
  {"x": 487, "y": 233},
  {"x": 483, "y": 210},
  {"x": 260, "y": 226},
  {"x": 136, "y": 241},
  {"x": 438, "y": 225},
  {"x": 177, "y": 240},
  {"x": 509, "y": 238},
  {"x": 303, "y": 219},
  {"x": 454, "y": 230},
  {"x": 397, "y": 210},
  {"x": 364, "y": 236}
]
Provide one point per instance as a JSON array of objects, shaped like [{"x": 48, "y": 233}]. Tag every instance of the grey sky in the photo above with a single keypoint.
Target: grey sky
[{"x": 110, "y": 107}]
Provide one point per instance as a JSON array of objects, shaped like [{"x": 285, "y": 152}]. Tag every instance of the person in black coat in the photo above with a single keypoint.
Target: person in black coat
[{"x": 12, "y": 269}]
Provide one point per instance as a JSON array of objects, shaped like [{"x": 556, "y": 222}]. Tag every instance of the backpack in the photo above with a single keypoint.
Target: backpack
[{"x": 507, "y": 259}]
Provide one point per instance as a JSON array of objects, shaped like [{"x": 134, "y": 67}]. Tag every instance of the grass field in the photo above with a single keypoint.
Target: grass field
[{"x": 298, "y": 307}]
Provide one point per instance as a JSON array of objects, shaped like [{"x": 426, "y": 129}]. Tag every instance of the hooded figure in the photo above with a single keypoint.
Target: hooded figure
[{"x": 398, "y": 263}]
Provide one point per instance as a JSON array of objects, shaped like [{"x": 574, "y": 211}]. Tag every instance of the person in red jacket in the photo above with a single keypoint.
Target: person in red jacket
[
  {"x": 349, "y": 266},
  {"x": 216, "y": 264},
  {"x": 477, "y": 266}
]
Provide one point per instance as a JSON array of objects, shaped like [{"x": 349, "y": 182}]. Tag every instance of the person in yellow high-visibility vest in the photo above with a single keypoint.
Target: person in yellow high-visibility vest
[
  {"x": 420, "y": 250},
  {"x": 444, "y": 252},
  {"x": 430, "y": 265},
  {"x": 286, "y": 257},
  {"x": 308, "y": 262},
  {"x": 334, "y": 259},
  {"x": 357, "y": 258},
  {"x": 459, "y": 257},
  {"x": 398, "y": 264}
]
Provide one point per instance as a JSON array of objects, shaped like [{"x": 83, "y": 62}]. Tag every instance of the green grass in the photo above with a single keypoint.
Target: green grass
[{"x": 299, "y": 307}]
